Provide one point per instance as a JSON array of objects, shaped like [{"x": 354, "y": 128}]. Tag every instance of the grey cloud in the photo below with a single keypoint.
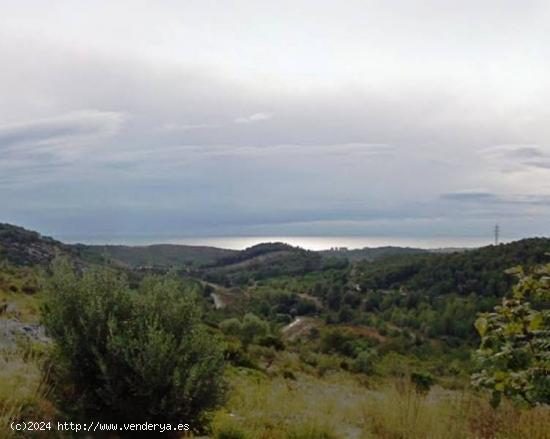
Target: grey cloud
[
  {"x": 78, "y": 124},
  {"x": 542, "y": 163},
  {"x": 535, "y": 156},
  {"x": 37, "y": 151},
  {"x": 323, "y": 140},
  {"x": 488, "y": 198}
]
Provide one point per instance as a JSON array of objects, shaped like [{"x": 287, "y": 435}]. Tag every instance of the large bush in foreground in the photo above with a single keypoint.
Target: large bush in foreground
[
  {"x": 514, "y": 354},
  {"x": 131, "y": 355}
]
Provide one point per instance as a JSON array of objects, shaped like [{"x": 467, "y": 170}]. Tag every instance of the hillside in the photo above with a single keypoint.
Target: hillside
[
  {"x": 436, "y": 296},
  {"x": 158, "y": 255},
  {"x": 268, "y": 260},
  {"x": 391, "y": 332},
  {"x": 479, "y": 271},
  {"x": 24, "y": 247},
  {"x": 372, "y": 253}
]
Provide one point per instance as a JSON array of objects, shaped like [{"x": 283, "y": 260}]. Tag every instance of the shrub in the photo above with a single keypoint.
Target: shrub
[
  {"x": 251, "y": 328},
  {"x": 231, "y": 327},
  {"x": 423, "y": 381},
  {"x": 288, "y": 375},
  {"x": 364, "y": 362},
  {"x": 514, "y": 355},
  {"x": 272, "y": 341},
  {"x": 237, "y": 356},
  {"x": 127, "y": 356},
  {"x": 326, "y": 363},
  {"x": 340, "y": 341}
]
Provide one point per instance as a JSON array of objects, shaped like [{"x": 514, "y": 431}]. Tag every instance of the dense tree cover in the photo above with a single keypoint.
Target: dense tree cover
[
  {"x": 436, "y": 294},
  {"x": 431, "y": 328},
  {"x": 138, "y": 349},
  {"x": 267, "y": 261},
  {"x": 129, "y": 355},
  {"x": 450, "y": 316},
  {"x": 158, "y": 255},
  {"x": 344, "y": 342},
  {"x": 371, "y": 254},
  {"x": 479, "y": 272},
  {"x": 514, "y": 355},
  {"x": 253, "y": 252}
]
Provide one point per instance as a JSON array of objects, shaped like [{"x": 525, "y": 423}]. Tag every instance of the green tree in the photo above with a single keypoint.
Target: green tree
[
  {"x": 130, "y": 355},
  {"x": 250, "y": 329},
  {"x": 253, "y": 327},
  {"x": 514, "y": 355},
  {"x": 231, "y": 326}
]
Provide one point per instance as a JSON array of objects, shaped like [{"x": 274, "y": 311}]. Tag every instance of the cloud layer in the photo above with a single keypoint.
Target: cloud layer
[{"x": 398, "y": 118}]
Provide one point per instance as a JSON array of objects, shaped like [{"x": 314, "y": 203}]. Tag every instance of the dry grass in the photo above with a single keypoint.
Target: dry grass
[
  {"x": 22, "y": 391},
  {"x": 279, "y": 408},
  {"x": 338, "y": 406},
  {"x": 400, "y": 412},
  {"x": 12, "y": 290}
]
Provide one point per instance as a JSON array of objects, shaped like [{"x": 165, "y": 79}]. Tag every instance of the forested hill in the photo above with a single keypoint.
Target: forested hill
[
  {"x": 254, "y": 252},
  {"x": 267, "y": 260},
  {"x": 25, "y": 247},
  {"x": 157, "y": 255},
  {"x": 479, "y": 271},
  {"x": 372, "y": 253}
]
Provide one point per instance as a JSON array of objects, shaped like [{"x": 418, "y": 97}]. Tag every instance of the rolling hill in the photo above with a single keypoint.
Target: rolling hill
[
  {"x": 480, "y": 271},
  {"x": 157, "y": 255},
  {"x": 268, "y": 260}
]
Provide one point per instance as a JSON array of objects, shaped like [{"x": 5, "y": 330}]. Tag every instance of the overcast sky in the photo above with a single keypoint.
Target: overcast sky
[{"x": 400, "y": 118}]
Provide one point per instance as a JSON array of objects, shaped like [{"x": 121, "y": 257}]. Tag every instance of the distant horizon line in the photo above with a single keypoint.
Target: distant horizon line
[{"x": 309, "y": 242}]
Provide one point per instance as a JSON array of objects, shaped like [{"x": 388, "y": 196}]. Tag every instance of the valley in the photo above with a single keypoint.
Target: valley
[{"x": 378, "y": 344}]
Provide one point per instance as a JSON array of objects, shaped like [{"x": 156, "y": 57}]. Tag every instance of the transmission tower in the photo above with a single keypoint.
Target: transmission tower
[{"x": 497, "y": 233}]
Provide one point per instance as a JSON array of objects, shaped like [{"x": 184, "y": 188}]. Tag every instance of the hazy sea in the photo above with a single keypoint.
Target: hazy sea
[{"x": 307, "y": 242}]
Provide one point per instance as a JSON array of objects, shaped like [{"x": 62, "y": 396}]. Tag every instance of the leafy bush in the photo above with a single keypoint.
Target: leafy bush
[
  {"x": 364, "y": 362},
  {"x": 130, "y": 355},
  {"x": 422, "y": 381},
  {"x": 514, "y": 355},
  {"x": 271, "y": 341},
  {"x": 344, "y": 342},
  {"x": 231, "y": 327},
  {"x": 237, "y": 356},
  {"x": 251, "y": 328}
]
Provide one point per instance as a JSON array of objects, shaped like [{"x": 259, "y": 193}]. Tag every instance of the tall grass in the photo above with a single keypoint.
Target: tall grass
[
  {"x": 305, "y": 408},
  {"x": 400, "y": 412},
  {"x": 337, "y": 406},
  {"x": 22, "y": 390}
]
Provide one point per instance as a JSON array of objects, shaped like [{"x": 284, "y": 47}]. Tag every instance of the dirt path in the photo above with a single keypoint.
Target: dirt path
[
  {"x": 301, "y": 326},
  {"x": 218, "y": 301}
]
